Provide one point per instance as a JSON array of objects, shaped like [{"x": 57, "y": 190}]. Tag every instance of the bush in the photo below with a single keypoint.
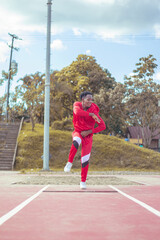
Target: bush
[{"x": 65, "y": 124}]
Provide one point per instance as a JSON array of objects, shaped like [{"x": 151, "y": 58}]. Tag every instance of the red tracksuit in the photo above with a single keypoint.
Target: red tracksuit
[{"x": 83, "y": 122}]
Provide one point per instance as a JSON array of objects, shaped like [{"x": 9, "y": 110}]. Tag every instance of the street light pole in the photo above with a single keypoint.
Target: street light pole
[
  {"x": 10, "y": 69},
  {"x": 9, "y": 77},
  {"x": 47, "y": 93}
]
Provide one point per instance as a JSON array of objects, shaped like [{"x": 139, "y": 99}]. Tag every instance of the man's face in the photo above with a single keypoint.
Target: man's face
[{"x": 87, "y": 101}]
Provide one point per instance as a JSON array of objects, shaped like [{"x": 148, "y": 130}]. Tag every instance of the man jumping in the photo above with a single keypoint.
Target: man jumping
[{"x": 85, "y": 115}]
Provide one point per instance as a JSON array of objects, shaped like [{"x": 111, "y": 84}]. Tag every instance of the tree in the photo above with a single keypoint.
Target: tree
[
  {"x": 112, "y": 108},
  {"x": 134, "y": 103},
  {"x": 142, "y": 95},
  {"x": 2, "y": 104},
  {"x": 83, "y": 74},
  {"x": 60, "y": 98},
  {"x": 5, "y": 76},
  {"x": 31, "y": 93},
  {"x": 2, "y": 80}
]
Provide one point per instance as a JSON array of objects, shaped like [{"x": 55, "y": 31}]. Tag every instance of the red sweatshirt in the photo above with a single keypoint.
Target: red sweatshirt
[{"x": 82, "y": 121}]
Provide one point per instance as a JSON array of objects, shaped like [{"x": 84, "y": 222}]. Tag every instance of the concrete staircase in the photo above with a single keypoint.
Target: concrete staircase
[{"x": 8, "y": 139}]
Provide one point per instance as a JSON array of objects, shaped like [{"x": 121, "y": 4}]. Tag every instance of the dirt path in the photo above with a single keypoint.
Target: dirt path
[{"x": 73, "y": 178}]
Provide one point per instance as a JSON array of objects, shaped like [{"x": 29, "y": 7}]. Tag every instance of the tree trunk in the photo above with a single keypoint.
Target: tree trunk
[
  {"x": 146, "y": 138},
  {"x": 32, "y": 121}
]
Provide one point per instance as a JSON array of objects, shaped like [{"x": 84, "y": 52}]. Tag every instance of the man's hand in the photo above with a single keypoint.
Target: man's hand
[
  {"x": 86, "y": 133},
  {"x": 94, "y": 117}
]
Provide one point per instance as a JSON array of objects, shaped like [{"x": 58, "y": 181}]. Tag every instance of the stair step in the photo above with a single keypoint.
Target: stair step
[
  {"x": 6, "y": 168},
  {"x": 9, "y": 159},
  {"x": 5, "y": 162},
  {"x": 8, "y": 139},
  {"x": 6, "y": 150},
  {"x": 14, "y": 144},
  {"x": 4, "y": 156}
]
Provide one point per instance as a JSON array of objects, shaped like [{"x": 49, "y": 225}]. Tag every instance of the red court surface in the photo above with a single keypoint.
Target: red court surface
[
  {"x": 66, "y": 212},
  {"x": 147, "y": 194}
]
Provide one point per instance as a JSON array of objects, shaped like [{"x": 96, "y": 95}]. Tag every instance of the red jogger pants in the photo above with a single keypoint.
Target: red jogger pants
[{"x": 85, "y": 152}]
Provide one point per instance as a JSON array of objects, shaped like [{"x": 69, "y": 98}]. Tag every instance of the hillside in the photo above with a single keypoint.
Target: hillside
[{"x": 108, "y": 152}]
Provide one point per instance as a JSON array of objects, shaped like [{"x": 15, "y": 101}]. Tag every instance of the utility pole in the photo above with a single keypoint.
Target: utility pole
[
  {"x": 47, "y": 93},
  {"x": 10, "y": 69}
]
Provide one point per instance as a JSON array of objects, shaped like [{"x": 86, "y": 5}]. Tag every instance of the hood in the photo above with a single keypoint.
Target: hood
[{"x": 96, "y": 108}]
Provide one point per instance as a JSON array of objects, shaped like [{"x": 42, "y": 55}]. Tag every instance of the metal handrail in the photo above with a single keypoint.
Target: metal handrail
[{"x": 15, "y": 150}]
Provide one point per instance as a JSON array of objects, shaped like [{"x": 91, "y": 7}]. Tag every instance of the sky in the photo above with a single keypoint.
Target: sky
[{"x": 116, "y": 32}]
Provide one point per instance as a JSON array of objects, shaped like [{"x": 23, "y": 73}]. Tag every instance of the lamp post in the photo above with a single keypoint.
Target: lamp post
[{"x": 47, "y": 93}]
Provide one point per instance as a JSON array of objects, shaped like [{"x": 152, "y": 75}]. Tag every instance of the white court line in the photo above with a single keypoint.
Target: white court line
[
  {"x": 142, "y": 204},
  {"x": 136, "y": 181},
  {"x": 11, "y": 213},
  {"x": 142, "y": 183}
]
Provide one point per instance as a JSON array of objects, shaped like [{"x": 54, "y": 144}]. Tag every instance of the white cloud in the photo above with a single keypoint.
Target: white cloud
[
  {"x": 116, "y": 20},
  {"x": 18, "y": 20},
  {"x": 77, "y": 32},
  {"x": 99, "y": 1},
  {"x": 88, "y": 52},
  {"x": 131, "y": 74},
  {"x": 113, "y": 17},
  {"x": 4, "y": 52},
  {"x": 55, "y": 29},
  {"x": 105, "y": 18},
  {"x": 157, "y": 30},
  {"x": 157, "y": 76},
  {"x": 57, "y": 45}
]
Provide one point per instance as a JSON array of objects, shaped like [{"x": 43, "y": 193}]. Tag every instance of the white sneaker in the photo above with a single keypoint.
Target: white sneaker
[
  {"x": 68, "y": 166},
  {"x": 83, "y": 185}
]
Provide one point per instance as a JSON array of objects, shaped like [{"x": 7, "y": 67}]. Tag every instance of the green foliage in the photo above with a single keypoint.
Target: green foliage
[
  {"x": 64, "y": 124},
  {"x": 65, "y": 87},
  {"x": 30, "y": 147},
  {"x": 135, "y": 102},
  {"x": 141, "y": 96},
  {"x": 31, "y": 92},
  {"x": 5, "y": 76},
  {"x": 83, "y": 74},
  {"x": 61, "y": 98},
  {"x": 3, "y": 98},
  {"x": 112, "y": 109},
  {"x": 108, "y": 152},
  {"x": 2, "y": 104}
]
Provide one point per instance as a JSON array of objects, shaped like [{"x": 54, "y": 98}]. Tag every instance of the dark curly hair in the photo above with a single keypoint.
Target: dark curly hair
[{"x": 84, "y": 94}]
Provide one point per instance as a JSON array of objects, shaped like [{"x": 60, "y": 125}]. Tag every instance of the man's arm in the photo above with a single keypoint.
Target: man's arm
[
  {"x": 101, "y": 127},
  {"x": 86, "y": 133},
  {"x": 80, "y": 112},
  {"x": 94, "y": 116}
]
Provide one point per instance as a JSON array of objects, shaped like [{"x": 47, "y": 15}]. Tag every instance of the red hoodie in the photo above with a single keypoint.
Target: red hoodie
[{"x": 83, "y": 122}]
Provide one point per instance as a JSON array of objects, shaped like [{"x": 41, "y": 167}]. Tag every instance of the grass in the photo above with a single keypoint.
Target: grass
[{"x": 108, "y": 152}]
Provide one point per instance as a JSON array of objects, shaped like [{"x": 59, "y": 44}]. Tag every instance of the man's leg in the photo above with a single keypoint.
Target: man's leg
[
  {"x": 85, "y": 156},
  {"x": 75, "y": 144}
]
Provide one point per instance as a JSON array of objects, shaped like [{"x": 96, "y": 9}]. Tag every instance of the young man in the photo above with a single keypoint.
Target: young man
[{"x": 85, "y": 115}]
